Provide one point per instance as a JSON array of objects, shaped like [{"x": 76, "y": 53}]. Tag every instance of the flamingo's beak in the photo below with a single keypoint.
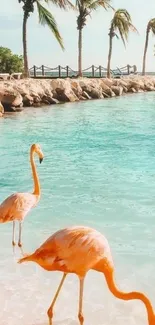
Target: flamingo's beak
[{"x": 41, "y": 159}]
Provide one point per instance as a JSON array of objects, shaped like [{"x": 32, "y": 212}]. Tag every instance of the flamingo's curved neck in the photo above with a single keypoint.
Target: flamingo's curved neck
[
  {"x": 35, "y": 175},
  {"x": 129, "y": 296}
]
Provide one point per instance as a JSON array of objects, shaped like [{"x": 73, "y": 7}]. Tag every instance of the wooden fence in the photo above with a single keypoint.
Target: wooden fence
[{"x": 91, "y": 72}]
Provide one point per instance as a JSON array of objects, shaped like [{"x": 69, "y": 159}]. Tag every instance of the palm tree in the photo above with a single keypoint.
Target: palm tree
[
  {"x": 122, "y": 24},
  {"x": 45, "y": 18},
  {"x": 85, "y": 7},
  {"x": 150, "y": 27}
]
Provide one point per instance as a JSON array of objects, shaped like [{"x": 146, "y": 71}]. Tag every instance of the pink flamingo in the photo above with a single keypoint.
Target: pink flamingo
[
  {"x": 77, "y": 250},
  {"x": 17, "y": 205}
]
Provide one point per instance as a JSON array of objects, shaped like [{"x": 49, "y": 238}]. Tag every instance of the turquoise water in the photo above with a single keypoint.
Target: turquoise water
[{"x": 99, "y": 170}]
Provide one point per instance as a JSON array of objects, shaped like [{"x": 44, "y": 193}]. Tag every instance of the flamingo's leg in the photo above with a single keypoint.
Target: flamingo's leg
[
  {"x": 20, "y": 234},
  {"x": 50, "y": 310},
  {"x": 80, "y": 314},
  {"x": 13, "y": 234}
]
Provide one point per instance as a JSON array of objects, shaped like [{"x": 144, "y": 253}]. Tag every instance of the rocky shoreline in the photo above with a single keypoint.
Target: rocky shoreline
[{"x": 17, "y": 94}]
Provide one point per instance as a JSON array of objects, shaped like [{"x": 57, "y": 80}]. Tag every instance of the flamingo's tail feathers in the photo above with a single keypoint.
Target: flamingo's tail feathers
[{"x": 27, "y": 258}]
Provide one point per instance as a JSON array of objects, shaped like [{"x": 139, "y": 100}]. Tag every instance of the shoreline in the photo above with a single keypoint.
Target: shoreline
[{"x": 17, "y": 94}]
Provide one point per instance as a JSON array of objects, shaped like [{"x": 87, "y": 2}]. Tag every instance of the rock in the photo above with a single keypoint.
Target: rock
[
  {"x": 149, "y": 87},
  {"x": 106, "y": 90},
  {"x": 83, "y": 83},
  {"x": 51, "y": 102},
  {"x": 105, "y": 95},
  {"x": 118, "y": 90},
  {"x": 133, "y": 90},
  {"x": 37, "y": 104},
  {"x": 134, "y": 85},
  {"x": 36, "y": 92},
  {"x": 94, "y": 93},
  {"x": 36, "y": 97},
  {"x": 82, "y": 98},
  {"x": 1, "y": 109},
  {"x": 10, "y": 98},
  {"x": 59, "y": 83},
  {"x": 28, "y": 100},
  {"x": 76, "y": 88},
  {"x": 120, "y": 82},
  {"x": 54, "y": 101},
  {"x": 22, "y": 89},
  {"x": 85, "y": 95},
  {"x": 62, "y": 90},
  {"x": 13, "y": 109},
  {"x": 66, "y": 95},
  {"x": 47, "y": 99},
  {"x": 107, "y": 82},
  {"x": 112, "y": 94},
  {"x": 125, "y": 89}
]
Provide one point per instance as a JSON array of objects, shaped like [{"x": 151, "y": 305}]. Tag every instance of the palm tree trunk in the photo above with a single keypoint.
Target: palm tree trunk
[
  {"x": 145, "y": 50},
  {"x": 109, "y": 55},
  {"x": 80, "y": 53},
  {"x": 26, "y": 68}
]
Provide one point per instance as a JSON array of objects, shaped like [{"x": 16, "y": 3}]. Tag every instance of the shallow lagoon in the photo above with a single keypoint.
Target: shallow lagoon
[{"x": 99, "y": 170}]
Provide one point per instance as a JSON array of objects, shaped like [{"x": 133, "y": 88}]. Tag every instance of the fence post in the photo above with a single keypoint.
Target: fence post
[
  {"x": 43, "y": 71},
  {"x": 67, "y": 71},
  {"x": 128, "y": 68},
  {"x": 34, "y": 71},
  {"x": 134, "y": 69},
  {"x": 59, "y": 69},
  {"x": 100, "y": 71},
  {"x": 93, "y": 71}
]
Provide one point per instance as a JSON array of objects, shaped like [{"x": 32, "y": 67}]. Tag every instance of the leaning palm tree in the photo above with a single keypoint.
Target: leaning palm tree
[
  {"x": 45, "y": 18},
  {"x": 122, "y": 24},
  {"x": 85, "y": 7},
  {"x": 150, "y": 27}
]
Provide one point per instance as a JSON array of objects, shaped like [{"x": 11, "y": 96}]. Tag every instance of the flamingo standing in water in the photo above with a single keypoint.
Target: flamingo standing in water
[
  {"x": 77, "y": 250},
  {"x": 17, "y": 205}
]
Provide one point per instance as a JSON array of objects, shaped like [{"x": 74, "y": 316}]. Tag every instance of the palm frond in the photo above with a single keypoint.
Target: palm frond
[
  {"x": 122, "y": 23},
  {"x": 63, "y": 4},
  {"x": 46, "y": 18},
  {"x": 151, "y": 25},
  {"x": 93, "y": 5},
  {"x": 116, "y": 36}
]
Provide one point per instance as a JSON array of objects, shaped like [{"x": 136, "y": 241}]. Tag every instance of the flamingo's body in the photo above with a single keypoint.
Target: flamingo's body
[
  {"x": 77, "y": 250},
  {"x": 17, "y": 205}
]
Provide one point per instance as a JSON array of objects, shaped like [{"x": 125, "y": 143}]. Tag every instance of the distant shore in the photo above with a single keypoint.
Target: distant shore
[{"x": 17, "y": 94}]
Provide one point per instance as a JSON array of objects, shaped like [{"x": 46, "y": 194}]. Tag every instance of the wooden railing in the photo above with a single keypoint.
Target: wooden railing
[{"x": 91, "y": 72}]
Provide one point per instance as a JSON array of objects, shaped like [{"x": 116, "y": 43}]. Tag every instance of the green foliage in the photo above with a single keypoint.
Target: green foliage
[
  {"x": 28, "y": 6},
  {"x": 10, "y": 62},
  {"x": 85, "y": 7},
  {"x": 46, "y": 18},
  {"x": 122, "y": 24},
  {"x": 151, "y": 26}
]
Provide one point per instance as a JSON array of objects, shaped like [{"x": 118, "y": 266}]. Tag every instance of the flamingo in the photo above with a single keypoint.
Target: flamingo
[
  {"x": 77, "y": 250},
  {"x": 17, "y": 205}
]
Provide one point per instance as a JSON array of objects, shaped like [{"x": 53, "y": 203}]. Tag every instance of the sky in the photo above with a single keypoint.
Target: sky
[{"x": 44, "y": 49}]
